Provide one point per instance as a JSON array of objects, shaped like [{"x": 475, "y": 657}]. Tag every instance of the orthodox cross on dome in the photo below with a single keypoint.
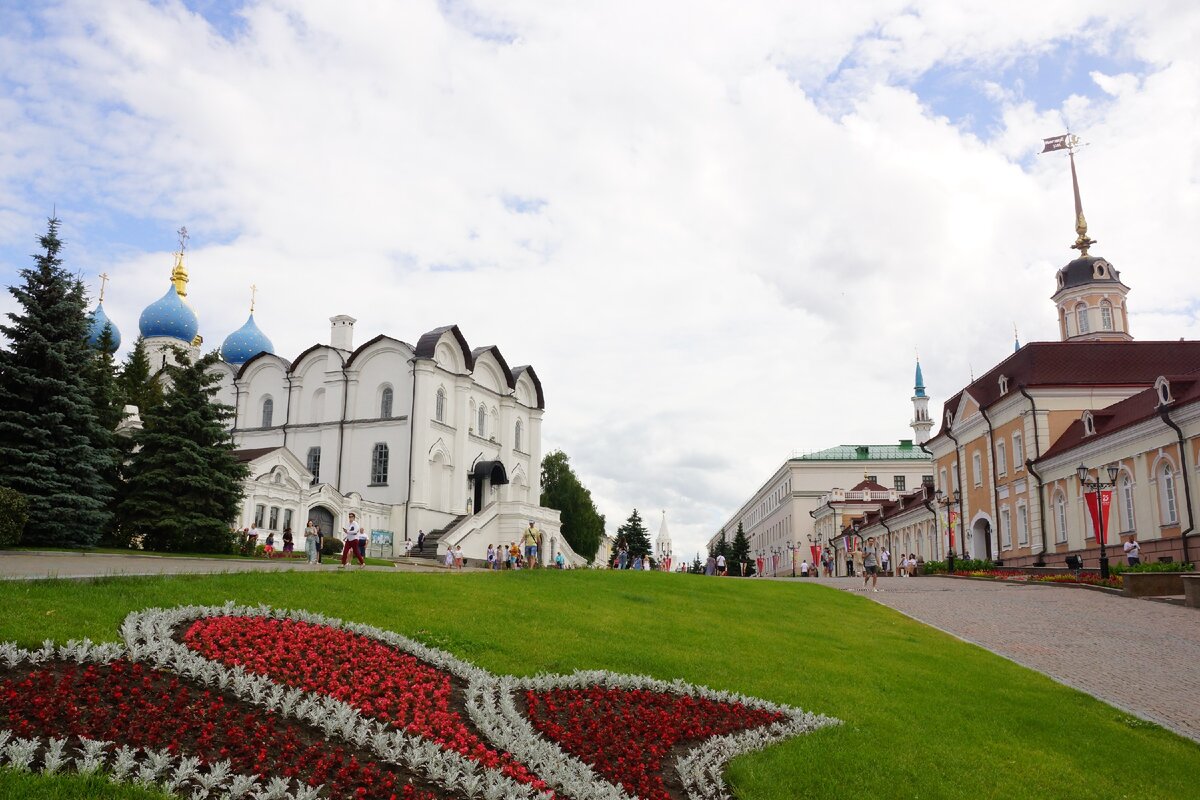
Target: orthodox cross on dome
[
  {"x": 179, "y": 275},
  {"x": 1071, "y": 143},
  {"x": 103, "y": 281},
  {"x": 253, "y": 292},
  {"x": 183, "y": 237}
]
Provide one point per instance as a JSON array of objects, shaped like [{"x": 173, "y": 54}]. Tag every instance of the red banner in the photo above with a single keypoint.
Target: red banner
[
  {"x": 953, "y": 525},
  {"x": 1104, "y": 505},
  {"x": 816, "y": 554}
]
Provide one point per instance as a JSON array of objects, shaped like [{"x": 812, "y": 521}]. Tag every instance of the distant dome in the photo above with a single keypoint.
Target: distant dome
[
  {"x": 96, "y": 329},
  {"x": 245, "y": 343},
  {"x": 1088, "y": 269},
  {"x": 169, "y": 316}
]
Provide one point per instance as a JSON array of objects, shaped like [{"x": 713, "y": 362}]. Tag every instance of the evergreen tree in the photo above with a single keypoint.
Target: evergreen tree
[
  {"x": 722, "y": 548},
  {"x": 183, "y": 483},
  {"x": 635, "y": 536},
  {"x": 105, "y": 389},
  {"x": 697, "y": 566},
  {"x": 739, "y": 554},
  {"x": 48, "y": 426},
  {"x": 582, "y": 524},
  {"x": 138, "y": 384}
]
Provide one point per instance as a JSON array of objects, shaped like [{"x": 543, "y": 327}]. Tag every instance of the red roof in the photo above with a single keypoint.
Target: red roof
[
  {"x": 1044, "y": 364},
  {"x": 869, "y": 486},
  {"x": 1185, "y": 389}
]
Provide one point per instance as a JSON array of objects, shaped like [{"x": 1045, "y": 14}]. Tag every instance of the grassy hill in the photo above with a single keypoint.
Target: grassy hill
[{"x": 925, "y": 715}]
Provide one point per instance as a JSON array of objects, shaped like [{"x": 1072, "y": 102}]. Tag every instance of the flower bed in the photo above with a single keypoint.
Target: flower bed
[
  {"x": 230, "y": 702},
  {"x": 1081, "y": 578}
]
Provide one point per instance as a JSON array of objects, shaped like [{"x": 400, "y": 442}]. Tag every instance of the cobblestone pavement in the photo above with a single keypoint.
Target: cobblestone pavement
[
  {"x": 1140, "y": 656},
  {"x": 26, "y": 565}
]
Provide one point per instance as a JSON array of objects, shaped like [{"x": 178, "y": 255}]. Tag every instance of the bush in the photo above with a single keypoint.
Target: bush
[
  {"x": 960, "y": 565},
  {"x": 14, "y": 513},
  {"x": 331, "y": 546},
  {"x": 1170, "y": 566}
]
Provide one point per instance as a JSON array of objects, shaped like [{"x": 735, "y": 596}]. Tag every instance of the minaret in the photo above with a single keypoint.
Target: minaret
[
  {"x": 662, "y": 545},
  {"x": 1090, "y": 295},
  {"x": 921, "y": 423},
  {"x": 1016, "y": 339}
]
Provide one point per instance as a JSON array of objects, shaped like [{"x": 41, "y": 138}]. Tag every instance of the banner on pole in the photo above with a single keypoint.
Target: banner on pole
[
  {"x": 1094, "y": 508},
  {"x": 953, "y": 525}
]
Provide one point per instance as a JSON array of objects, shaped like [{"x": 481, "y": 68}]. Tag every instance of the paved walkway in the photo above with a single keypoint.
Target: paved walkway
[
  {"x": 28, "y": 565},
  {"x": 1140, "y": 656}
]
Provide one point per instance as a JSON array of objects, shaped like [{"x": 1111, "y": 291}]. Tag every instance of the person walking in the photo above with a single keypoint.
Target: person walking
[
  {"x": 710, "y": 567},
  {"x": 350, "y": 542},
  {"x": 531, "y": 536},
  {"x": 885, "y": 559},
  {"x": 288, "y": 542},
  {"x": 361, "y": 541},
  {"x": 870, "y": 562},
  {"x": 804, "y": 568},
  {"x": 269, "y": 545},
  {"x": 421, "y": 541},
  {"x": 320, "y": 543},
  {"x": 1133, "y": 551},
  {"x": 559, "y": 561},
  {"x": 310, "y": 542},
  {"x": 458, "y": 557},
  {"x": 622, "y": 557},
  {"x": 491, "y": 556},
  {"x": 721, "y": 569}
]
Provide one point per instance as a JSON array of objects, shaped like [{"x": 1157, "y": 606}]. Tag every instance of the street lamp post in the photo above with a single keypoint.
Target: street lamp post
[
  {"x": 1083, "y": 473},
  {"x": 792, "y": 554},
  {"x": 946, "y": 501}
]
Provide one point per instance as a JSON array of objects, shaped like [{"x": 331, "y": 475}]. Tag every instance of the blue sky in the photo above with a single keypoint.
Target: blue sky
[{"x": 698, "y": 226}]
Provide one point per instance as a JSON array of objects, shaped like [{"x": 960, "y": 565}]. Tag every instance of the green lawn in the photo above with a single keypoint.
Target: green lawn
[
  {"x": 119, "y": 551},
  {"x": 925, "y": 715}
]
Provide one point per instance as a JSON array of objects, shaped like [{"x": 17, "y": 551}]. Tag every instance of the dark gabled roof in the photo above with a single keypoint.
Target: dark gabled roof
[
  {"x": 316, "y": 346},
  {"x": 1046, "y": 364},
  {"x": 367, "y": 344},
  {"x": 869, "y": 486},
  {"x": 287, "y": 367},
  {"x": 495, "y": 351},
  {"x": 1185, "y": 390},
  {"x": 537, "y": 384},
  {"x": 246, "y": 456},
  {"x": 427, "y": 344}
]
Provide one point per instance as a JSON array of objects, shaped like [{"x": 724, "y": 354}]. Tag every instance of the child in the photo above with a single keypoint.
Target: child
[{"x": 269, "y": 545}]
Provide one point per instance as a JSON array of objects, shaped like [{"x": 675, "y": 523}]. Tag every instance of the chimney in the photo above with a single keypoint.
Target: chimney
[{"x": 341, "y": 334}]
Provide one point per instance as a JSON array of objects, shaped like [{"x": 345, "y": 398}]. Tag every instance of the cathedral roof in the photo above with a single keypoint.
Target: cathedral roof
[
  {"x": 537, "y": 384},
  {"x": 1088, "y": 269},
  {"x": 171, "y": 317},
  {"x": 868, "y": 452},
  {"x": 99, "y": 320},
  {"x": 427, "y": 344},
  {"x": 245, "y": 343}
]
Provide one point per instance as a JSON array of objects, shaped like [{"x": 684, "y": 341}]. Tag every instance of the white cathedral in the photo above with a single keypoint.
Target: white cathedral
[{"x": 435, "y": 437}]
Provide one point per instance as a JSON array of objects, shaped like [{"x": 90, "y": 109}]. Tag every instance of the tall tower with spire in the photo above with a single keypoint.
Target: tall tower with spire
[
  {"x": 662, "y": 544},
  {"x": 1090, "y": 295},
  {"x": 921, "y": 423}
]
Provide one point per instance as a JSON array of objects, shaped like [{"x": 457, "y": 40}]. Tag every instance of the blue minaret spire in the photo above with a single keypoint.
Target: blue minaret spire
[
  {"x": 919, "y": 388},
  {"x": 921, "y": 423},
  {"x": 1016, "y": 339}
]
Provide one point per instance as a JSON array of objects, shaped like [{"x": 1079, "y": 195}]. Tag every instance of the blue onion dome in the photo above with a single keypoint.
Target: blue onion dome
[
  {"x": 169, "y": 316},
  {"x": 99, "y": 320},
  {"x": 245, "y": 343}
]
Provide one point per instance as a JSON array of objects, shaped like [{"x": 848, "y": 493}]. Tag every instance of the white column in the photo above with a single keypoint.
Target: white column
[
  {"x": 535, "y": 456},
  {"x": 418, "y": 428},
  {"x": 459, "y": 489},
  {"x": 505, "y": 437}
]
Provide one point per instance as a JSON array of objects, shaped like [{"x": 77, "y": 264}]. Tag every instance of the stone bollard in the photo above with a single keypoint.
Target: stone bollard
[{"x": 1191, "y": 591}]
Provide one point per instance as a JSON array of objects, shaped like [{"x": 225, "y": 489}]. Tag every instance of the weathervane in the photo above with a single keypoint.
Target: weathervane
[
  {"x": 1070, "y": 142},
  {"x": 103, "y": 281}
]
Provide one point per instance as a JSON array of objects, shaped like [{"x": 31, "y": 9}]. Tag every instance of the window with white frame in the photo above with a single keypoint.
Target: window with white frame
[
  {"x": 942, "y": 480},
  {"x": 259, "y": 512},
  {"x": 1060, "y": 517},
  {"x": 898, "y": 483},
  {"x": 314, "y": 463},
  {"x": 385, "y": 403},
  {"x": 481, "y": 421},
  {"x": 1081, "y": 317},
  {"x": 439, "y": 409},
  {"x": 379, "y": 465},
  {"x": 1001, "y": 459},
  {"x": 1166, "y": 493},
  {"x": 1005, "y": 529},
  {"x": 268, "y": 411},
  {"x": 1022, "y": 525},
  {"x": 1126, "y": 501},
  {"x": 1106, "y": 315},
  {"x": 274, "y": 518},
  {"x": 517, "y": 435},
  {"x": 1018, "y": 451},
  {"x": 977, "y": 468}
]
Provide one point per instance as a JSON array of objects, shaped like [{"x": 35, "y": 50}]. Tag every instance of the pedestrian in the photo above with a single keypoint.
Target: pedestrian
[
  {"x": 407, "y": 546},
  {"x": 721, "y": 567},
  {"x": 804, "y": 568},
  {"x": 350, "y": 542},
  {"x": 421, "y": 541},
  {"x": 288, "y": 542},
  {"x": 269, "y": 545},
  {"x": 491, "y": 556},
  {"x": 500, "y": 553},
  {"x": 320, "y": 542},
  {"x": 559, "y": 561},
  {"x": 448, "y": 561},
  {"x": 531, "y": 536},
  {"x": 622, "y": 557},
  {"x": 870, "y": 561},
  {"x": 1133, "y": 551},
  {"x": 514, "y": 555},
  {"x": 252, "y": 539},
  {"x": 885, "y": 559},
  {"x": 710, "y": 566},
  {"x": 856, "y": 558},
  {"x": 311, "y": 544},
  {"x": 361, "y": 541},
  {"x": 637, "y": 563},
  {"x": 458, "y": 556}
]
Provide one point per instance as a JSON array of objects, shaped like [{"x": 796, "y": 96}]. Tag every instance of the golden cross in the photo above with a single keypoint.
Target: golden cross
[{"x": 103, "y": 280}]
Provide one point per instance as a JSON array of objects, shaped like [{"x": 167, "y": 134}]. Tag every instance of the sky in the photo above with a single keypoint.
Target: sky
[{"x": 720, "y": 232}]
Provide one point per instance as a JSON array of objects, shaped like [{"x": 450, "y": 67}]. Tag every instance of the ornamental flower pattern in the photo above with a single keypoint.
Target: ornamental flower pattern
[{"x": 259, "y": 703}]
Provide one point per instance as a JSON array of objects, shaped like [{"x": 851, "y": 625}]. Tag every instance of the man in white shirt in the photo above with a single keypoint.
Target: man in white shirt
[
  {"x": 350, "y": 539},
  {"x": 1133, "y": 551},
  {"x": 720, "y": 565}
]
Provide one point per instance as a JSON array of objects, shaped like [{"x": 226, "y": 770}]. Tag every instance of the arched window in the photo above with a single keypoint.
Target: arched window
[
  {"x": 268, "y": 411},
  {"x": 385, "y": 403},
  {"x": 379, "y": 465},
  {"x": 1106, "y": 317},
  {"x": 977, "y": 468},
  {"x": 1060, "y": 517},
  {"x": 481, "y": 423},
  {"x": 1081, "y": 317},
  {"x": 439, "y": 412},
  {"x": 1126, "y": 503},
  {"x": 1166, "y": 492},
  {"x": 517, "y": 435},
  {"x": 314, "y": 464}
]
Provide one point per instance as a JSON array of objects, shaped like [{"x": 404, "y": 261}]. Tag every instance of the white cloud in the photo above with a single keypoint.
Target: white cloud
[{"x": 718, "y": 234}]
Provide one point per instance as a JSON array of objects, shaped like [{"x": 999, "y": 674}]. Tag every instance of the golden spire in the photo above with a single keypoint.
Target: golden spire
[
  {"x": 179, "y": 275},
  {"x": 1069, "y": 142},
  {"x": 103, "y": 281},
  {"x": 253, "y": 292}
]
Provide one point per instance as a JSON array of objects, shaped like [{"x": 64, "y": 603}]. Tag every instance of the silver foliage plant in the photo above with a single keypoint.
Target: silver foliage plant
[{"x": 490, "y": 704}]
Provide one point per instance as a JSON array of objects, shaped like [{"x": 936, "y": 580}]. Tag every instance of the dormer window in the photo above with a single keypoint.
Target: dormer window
[
  {"x": 949, "y": 419},
  {"x": 1162, "y": 387},
  {"x": 1003, "y": 384},
  {"x": 1100, "y": 269},
  {"x": 1089, "y": 424}
]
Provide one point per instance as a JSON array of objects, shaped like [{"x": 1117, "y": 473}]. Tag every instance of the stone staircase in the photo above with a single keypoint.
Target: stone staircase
[{"x": 431, "y": 542}]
